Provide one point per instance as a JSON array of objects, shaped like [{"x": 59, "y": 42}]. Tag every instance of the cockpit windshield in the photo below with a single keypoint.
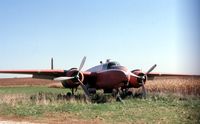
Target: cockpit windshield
[{"x": 112, "y": 64}]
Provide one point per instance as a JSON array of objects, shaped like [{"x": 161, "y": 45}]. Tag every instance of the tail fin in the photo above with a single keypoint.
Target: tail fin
[{"x": 52, "y": 63}]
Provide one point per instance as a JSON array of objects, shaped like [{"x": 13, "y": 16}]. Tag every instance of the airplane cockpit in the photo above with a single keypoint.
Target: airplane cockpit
[
  {"x": 105, "y": 66},
  {"x": 111, "y": 65}
]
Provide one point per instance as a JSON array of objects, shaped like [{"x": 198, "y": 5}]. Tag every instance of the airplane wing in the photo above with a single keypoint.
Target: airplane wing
[
  {"x": 42, "y": 74},
  {"x": 151, "y": 76}
]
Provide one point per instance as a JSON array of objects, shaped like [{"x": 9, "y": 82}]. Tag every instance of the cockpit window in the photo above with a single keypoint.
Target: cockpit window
[{"x": 111, "y": 64}]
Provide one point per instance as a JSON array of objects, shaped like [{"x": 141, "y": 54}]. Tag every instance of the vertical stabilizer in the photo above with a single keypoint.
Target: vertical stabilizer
[{"x": 52, "y": 63}]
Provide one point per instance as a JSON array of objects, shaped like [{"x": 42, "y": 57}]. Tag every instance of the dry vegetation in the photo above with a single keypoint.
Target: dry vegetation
[
  {"x": 182, "y": 86},
  {"x": 42, "y": 104},
  {"x": 178, "y": 85}
]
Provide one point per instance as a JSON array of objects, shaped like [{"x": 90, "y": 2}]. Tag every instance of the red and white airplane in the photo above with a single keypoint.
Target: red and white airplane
[{"x": 108, "y": 76}]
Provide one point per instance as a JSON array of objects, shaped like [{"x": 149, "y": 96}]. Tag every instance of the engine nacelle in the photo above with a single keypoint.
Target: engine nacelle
[
  {"x": 137, "y": 82},
  {"x": 73, "y": 83}
]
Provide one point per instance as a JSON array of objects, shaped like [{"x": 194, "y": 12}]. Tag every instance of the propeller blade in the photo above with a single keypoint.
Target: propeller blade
[
  {"x": 63, "y": 78},
  {"x": 87, "y": 95},
  {"x": 151, "y": 69},
  {"x": 82, "y": 63},
  {"x": 144, "y": 90},
  {"x": 134, "y": 75}
]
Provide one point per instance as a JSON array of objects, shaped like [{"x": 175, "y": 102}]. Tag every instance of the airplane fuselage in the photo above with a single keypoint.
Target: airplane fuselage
[{"x": 109, "y": 75}]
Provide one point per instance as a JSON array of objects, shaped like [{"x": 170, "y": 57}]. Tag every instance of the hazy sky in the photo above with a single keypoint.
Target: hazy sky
[{"x": 136, "y": 33}]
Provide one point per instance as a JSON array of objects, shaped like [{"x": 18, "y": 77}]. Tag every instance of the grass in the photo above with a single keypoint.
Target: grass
[
  {"x": 31, "y": 90},
  {"x": 38, "y": 102}
]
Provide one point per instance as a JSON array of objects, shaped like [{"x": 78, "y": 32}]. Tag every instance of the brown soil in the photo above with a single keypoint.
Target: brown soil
[
  {"x": 49, "y": 119},
  {"x": 24, "y": 82}
]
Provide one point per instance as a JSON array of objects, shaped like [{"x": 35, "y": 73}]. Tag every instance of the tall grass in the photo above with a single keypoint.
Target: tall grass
[
  {"x": 161, "y": 107},
  {"x": 182, "y": 86},
  {"x": 153, "y": 109}
]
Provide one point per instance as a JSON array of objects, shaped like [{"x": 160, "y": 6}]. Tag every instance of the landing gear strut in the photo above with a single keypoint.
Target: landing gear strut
[
  {"x": 118, "y": 96},
  {"x": 73, "y": 90},
  {"x": 126, "y": 92}
]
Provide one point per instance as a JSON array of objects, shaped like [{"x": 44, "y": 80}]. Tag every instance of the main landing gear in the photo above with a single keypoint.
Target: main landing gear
[{"x": 121, "y": 94}]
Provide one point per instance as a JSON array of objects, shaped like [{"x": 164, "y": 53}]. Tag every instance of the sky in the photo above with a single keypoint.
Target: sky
[{"x": 136, "y": 33}]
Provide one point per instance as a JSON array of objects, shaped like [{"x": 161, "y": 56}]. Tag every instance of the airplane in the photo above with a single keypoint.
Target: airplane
[{"x": 110, "y": 77}]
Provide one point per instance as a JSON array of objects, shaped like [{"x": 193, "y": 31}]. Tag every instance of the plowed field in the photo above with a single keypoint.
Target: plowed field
[{"x": 24, "y": 82}]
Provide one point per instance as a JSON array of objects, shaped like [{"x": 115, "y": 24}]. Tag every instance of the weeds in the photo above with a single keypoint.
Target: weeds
[
  {"x": 183, "y": 86},
  {"x": 156, "y": 108},
  {"x": 168, "y": 101}
]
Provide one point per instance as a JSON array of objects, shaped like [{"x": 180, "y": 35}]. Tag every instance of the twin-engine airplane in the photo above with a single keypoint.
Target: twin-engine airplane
[{"x": 109, "y": 76}]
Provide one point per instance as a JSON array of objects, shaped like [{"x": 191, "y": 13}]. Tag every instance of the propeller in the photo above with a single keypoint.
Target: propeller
[
  {"x": 81, "y": 83},
  {"x": 143, "y": 77},
  {"x": 81, "y": 65},
  {"x": 134, "y": 75},
  {"x": 77, "y": 77},
  {"x": 143, "y": 89},
  {"x": 63, "y": 78},
  {"x": 151, "y": 69},
  {"x": 87, "y": 95}
]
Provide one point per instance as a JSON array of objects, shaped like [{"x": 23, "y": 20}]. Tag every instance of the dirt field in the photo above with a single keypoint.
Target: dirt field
[
  {"x": 61, "y": 119},
  {"x": 24, "y": 82}
]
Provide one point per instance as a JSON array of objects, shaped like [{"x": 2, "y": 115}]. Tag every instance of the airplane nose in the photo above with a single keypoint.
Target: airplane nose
[{"x": 110, "y": 78}]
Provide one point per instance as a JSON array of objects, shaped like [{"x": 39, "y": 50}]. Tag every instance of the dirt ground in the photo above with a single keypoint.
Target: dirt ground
[
  {"x": 48, "y": 119},
  {"x": 24, "y": 82}
]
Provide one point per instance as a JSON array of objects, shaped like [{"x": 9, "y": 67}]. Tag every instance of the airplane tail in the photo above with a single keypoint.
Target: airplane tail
[{"x": 52, "y": 63}]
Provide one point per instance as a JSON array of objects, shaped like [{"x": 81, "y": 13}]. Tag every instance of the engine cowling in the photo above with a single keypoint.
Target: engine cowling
[
  {"x": 137, "y": 82},
  {"x": 73, "y": 83}
]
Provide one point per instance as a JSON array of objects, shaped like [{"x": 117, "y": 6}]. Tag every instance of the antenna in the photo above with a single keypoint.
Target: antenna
[
  {"x": 52, "y": 63},
  {"x": 108, "y": 60}
]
